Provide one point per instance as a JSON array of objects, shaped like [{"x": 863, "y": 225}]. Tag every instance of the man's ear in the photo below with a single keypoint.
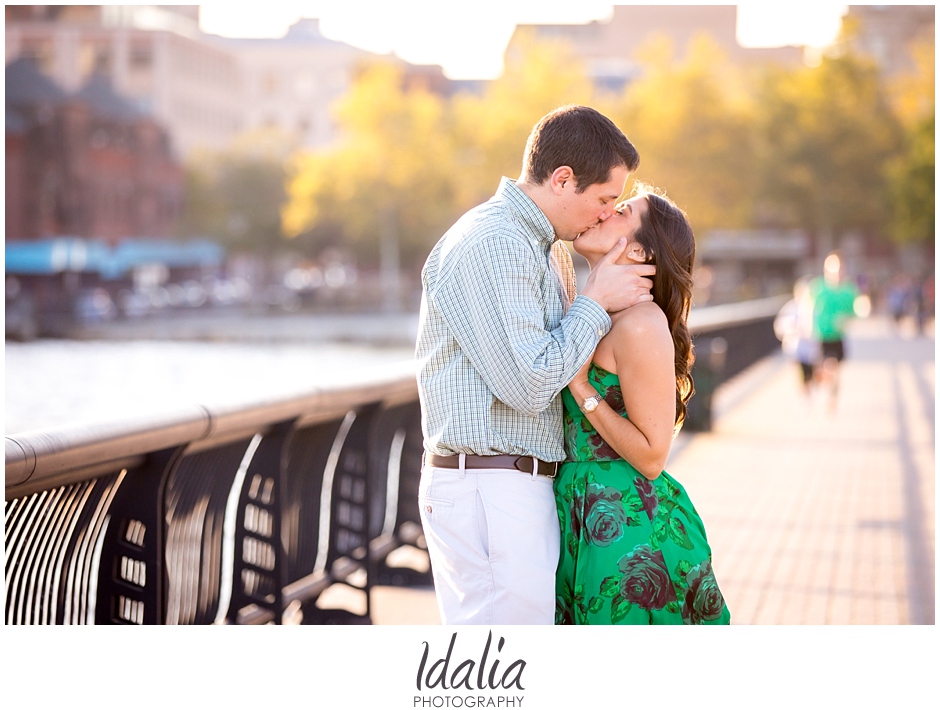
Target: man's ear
[{"x": 561, "y": 179}]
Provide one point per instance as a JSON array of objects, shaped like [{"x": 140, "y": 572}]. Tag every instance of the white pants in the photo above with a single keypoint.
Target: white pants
[{"x": 493, "y": 540}]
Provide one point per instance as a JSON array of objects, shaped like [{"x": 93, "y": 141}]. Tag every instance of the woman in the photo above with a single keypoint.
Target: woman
[
  {"x": 793, "y": 327},
  {"x": 633, "y": 548}
]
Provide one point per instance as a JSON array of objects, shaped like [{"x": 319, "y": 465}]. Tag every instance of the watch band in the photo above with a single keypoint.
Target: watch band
[{"x": 592, "y": 400}]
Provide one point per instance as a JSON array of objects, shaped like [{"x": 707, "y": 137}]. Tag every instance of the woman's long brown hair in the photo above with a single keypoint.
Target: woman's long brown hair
[{"x": 667, "y": 238}]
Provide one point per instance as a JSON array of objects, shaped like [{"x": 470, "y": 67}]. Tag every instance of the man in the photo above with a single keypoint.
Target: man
[
  {"x": 497, "y": 341},
  {"x": 833, "y": 305}
]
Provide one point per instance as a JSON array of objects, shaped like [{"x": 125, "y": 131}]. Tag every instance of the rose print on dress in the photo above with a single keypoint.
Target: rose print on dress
[
  {"x": 614, "y": 397},
  {"x": 604, "y": 515},
  {"x": 645, "y": 581},
  {"x": 703, "y": 599}
]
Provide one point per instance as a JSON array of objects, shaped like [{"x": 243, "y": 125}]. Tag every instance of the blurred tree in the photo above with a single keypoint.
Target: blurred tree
[
  {"x": 491, "y": 129},
  {"x": 203, "y": 212},
  {"x": 389, "y": 184},
  {"x": 826, "y": 136},
  {"x": 692, "y": 124},
  {"x": 913, "y": 172},
  {"x": 412, "y": 162},
  {"x": 235, "y": 196}
]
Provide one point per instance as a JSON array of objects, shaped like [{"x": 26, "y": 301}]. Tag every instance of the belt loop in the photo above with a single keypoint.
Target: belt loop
[
  {"x": 535, "y": 467},
  {"x": 462, "y": 464}
]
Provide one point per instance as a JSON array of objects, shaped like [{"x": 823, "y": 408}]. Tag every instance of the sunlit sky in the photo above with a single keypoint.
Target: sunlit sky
[{"x": 468, "y": 39}]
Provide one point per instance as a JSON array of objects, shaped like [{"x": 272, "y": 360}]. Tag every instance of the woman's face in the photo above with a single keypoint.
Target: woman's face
[{"x": 595, "y": 242}]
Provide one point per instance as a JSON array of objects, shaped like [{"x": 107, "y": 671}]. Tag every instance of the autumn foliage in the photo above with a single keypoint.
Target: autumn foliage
[{"x": 831, "y": 148}]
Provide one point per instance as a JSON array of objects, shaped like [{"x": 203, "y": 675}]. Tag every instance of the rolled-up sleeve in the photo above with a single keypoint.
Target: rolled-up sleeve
[{"x": 492, "y": 300}]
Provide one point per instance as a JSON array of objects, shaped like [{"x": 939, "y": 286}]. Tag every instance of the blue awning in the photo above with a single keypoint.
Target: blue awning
[{"x": 61, "y": 254}]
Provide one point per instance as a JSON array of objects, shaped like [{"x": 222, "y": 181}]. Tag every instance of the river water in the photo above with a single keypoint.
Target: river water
[{"x": 51, "y": 383}]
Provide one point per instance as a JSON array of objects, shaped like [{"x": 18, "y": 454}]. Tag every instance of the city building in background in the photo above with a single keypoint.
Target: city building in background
[
  {"x": 104, "y": 105},
  {"x": 86, "y": 163},
  {"x": 94, "y": 180},
  {"x": 887, "y": 32},
  {"x": 205, "y": 89},
  {"x": 290, "y": 82},
  {"x": 93, "y": 196},
  {"x": 155, "y": 56},
  {"x": 609, "y": 47}
]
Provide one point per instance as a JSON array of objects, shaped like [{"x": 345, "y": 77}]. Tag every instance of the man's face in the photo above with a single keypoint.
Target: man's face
[{"x": 581, "y": 211}]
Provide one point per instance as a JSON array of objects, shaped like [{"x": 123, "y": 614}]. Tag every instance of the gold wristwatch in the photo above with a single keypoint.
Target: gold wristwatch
[{"x": 590, "y": 404}]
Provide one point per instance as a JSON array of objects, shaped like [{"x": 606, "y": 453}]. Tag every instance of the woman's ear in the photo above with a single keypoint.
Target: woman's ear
[{"x": 636, "y": 252}]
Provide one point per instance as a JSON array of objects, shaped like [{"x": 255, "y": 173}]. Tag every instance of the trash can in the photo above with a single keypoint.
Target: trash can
[{"x": 710, "y": 356}]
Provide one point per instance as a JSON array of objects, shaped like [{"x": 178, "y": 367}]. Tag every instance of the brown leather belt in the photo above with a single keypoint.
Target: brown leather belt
[{"x": 520, "y": 463}]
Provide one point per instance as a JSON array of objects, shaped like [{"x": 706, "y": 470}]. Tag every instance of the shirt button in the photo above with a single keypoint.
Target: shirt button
[{"x": 427, "y": 508}]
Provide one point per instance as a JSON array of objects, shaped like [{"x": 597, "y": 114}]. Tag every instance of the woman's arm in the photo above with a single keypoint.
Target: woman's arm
[{"x": 644, "y": 354}]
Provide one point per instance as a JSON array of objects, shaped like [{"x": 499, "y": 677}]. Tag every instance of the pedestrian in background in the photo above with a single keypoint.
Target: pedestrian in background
[
  {"x": 923, "y": 302},
  {"x": 929, "y": 298},
  {"x": 899, "y": 298},
  {"x": 833, "y": 305},
  {"x": 793, "y": 326}
]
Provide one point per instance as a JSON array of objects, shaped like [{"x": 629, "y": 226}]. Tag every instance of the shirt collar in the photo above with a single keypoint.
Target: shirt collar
[{"x": 534, "y": 221}]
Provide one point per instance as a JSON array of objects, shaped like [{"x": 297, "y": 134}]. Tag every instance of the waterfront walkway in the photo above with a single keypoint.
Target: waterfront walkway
[{"x": 813, "y": 517}]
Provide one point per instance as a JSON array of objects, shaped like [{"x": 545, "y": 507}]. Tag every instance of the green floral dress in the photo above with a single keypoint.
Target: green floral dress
[{"x": 633, "y": 551}]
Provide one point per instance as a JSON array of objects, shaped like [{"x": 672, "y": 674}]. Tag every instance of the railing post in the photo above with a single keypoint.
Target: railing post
[
  {"x": 350, "y": 501},
  {"x": 132, "y": 572},
  {"x": 396, "y": 521},
  {"x": 710, "y": 356},
  {"x": 259, "y": 572}
]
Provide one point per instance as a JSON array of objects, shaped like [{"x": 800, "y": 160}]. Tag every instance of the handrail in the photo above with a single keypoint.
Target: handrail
[
  {"x": 50, "y": 457},
  {"x": 41, "y": 459},
  {"x": 708, "y": 318}
]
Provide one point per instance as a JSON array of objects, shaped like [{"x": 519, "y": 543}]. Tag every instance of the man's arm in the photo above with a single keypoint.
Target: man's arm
[{"x": 491, "y": 301}]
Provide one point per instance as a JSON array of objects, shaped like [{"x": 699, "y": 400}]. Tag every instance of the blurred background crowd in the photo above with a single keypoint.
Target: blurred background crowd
[{"x": 154, "y": 169}]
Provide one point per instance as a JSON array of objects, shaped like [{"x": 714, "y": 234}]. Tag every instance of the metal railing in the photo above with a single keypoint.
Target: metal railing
[
  {"x": 245, "y": 514},
  {"x": 727, "y": 339},
  {"x": 215, "y": 516}
]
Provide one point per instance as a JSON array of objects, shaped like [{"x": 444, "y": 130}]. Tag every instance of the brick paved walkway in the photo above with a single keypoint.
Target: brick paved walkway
[
  {"x": 819, "y": 518},
  {"x": 814, "y": 518}
]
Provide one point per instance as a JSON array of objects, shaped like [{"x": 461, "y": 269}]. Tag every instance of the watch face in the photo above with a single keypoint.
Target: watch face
[{"x": 590, "y": 404}]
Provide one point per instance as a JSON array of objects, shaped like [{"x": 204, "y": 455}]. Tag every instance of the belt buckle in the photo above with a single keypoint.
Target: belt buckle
[{"x": 536, "y": 463}]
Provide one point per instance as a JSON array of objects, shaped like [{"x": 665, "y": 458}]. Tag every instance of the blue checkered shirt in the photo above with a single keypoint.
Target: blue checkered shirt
[{"x": 497, "y": 340}]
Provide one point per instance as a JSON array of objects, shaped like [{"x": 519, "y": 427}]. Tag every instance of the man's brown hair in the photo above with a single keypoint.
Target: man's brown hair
[{"x": 583, "y": 139}]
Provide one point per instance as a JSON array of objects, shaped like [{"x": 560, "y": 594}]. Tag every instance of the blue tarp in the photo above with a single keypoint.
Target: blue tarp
[{"x": 51, "y": 256}]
